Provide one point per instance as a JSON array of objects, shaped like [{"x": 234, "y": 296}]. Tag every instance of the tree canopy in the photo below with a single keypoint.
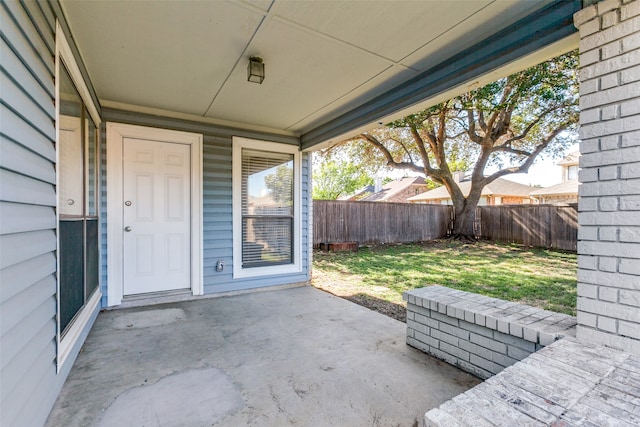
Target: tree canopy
[
  {"x": 334, "y": 178},
  {"x": 504, "y": 125}
]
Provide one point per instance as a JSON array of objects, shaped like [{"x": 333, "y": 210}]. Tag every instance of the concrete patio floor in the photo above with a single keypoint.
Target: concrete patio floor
[{"x": 296, "y": 356}]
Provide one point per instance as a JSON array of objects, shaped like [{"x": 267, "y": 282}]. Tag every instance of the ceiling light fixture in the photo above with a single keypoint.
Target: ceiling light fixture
[{"x": 255, "y": 70}]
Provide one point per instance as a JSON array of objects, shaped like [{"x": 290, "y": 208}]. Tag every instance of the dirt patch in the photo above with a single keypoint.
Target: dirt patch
[
  {"x": 393, "y": 310},
  {"x": 352, "y": 289}
]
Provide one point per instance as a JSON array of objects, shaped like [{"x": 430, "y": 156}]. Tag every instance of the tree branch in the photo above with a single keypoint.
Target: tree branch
[
  {"x": 510, "y": 150},
  {"x": 442, "y": 127},
  {"x": 530, "y": 126},
  {"x": 406, "y": 150},
  {"x": 524, "y": 167},
  {"x": 471, "y": 125},
  {"x": 499, "y": 112},
  {"x": 457, "y": 135},
  {"x": 503, "y": 128},
  {"x": 388, "y": 156},
  {"x": 404, "y": 147},
  {"x": 481, "y": 121},
  {"x": 428, "y": 170},
  {"x": 441, "y": 155}
]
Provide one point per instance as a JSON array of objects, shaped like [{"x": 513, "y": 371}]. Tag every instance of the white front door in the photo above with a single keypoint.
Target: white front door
[{"x": 156, "y": 213}]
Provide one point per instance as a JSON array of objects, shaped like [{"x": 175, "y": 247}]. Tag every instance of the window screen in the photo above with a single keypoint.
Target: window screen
[{"x": 267, "y": 208}]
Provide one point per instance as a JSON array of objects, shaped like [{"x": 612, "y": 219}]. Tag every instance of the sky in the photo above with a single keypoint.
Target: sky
[{"x": 544, "y": 172}]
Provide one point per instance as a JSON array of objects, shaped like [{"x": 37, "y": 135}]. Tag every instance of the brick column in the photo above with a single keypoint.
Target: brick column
[{"x": 609, "y": 205}]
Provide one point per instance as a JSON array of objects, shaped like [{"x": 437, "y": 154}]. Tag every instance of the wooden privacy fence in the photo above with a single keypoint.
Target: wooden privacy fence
[
  {"x": 546, "y": 226},
  {"x": 374, "y": 223}
]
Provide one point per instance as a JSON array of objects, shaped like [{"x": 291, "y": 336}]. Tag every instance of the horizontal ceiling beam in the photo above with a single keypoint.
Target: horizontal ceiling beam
[{"x": 542, "y": 28}]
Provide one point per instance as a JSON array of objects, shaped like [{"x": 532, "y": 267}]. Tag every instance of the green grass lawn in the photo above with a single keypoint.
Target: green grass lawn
[{"x": 539, "y": 277}]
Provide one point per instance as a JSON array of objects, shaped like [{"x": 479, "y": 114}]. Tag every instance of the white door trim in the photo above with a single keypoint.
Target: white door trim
[{"x": 116, "y": 132}]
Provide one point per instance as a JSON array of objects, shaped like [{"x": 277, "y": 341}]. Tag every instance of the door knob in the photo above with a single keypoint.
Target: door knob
[{"x": 127, "y": 229}]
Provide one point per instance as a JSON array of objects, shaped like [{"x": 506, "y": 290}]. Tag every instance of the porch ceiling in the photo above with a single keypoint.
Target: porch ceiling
[{"x": 322, "y": 58}]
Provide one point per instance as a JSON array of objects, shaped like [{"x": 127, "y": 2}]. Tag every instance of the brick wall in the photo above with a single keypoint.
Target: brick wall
[
  {"x": 512, "y": 200},
  {"x": 479, "y": 334},
  {"x": 410, "y": 191},
  {"x": 609, "y": 206}
]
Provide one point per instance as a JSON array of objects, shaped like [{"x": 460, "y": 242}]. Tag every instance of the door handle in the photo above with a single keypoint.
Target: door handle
[{"x": 127, "y": 229}]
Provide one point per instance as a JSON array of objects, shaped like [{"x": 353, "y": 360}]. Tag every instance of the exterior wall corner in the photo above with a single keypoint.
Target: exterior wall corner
[{"x": 609, "y": 213}]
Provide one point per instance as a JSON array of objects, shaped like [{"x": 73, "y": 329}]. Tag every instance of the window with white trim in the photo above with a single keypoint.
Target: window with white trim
[
  {"x": 266, "y": 208},
  {"x": 78, "y": 177}
]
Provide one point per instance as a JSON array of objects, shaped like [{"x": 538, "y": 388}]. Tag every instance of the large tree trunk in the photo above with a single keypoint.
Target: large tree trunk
[
  {"x": 463, "y": 223},
  {"x": 465, "y": 214}
]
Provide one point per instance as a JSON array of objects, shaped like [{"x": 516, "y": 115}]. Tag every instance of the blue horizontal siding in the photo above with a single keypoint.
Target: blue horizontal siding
[
  {"x": 217, "y": 201},
  {"x": 25, "y": 107},
  {"x": 217, "y": 215},
  {"x": 220, "y": 245},
  {"x": 25, "y": 246},
  {"x": 103, "y": 213},
  {"x": 19, "y": 188},
  {"x": 29, "y": 375},
  {"x": 19, "y": 277},
  {"x": 49, "y": 16},
  {"x": 19, "y": 217},
  {"x": 307, "y": 211},
  {"x": 31, "y": 351},
  {"x": 41, "y": 24},
  {"x": 42, "y": 368},
  {"x": 18, "y": 71},
  {"x": 18, "y": 130},
  {"x": 15, "y": 157},
  {"x": 20, "y": 34},
  {"x": 218, "y": 220}
]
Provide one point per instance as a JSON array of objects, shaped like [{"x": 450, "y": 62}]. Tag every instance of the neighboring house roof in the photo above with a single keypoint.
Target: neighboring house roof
[
  {"x": 356, "y": 195},
  {"x": 570, "y": 159},
  {"x": 564, "y": 188},
  {"x": 392, "y": 188},
  {"x": 499, "y": 187}
]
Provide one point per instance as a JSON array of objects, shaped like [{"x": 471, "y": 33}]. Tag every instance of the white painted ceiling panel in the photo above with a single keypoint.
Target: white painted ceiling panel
[
  {"x": 478, "y": 26},
  {"x": 168, "y": 55},
  {"x": 260, "y": 4},
  {"x": 386, "y": 80},
  {"x": 304, "y": 73},
  {"x": 392, "y": 29}
]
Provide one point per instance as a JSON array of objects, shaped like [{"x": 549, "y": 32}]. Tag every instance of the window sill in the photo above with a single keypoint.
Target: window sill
[
  {"x": 66, "y": 344},
  {"x": 241, "y": 273}
]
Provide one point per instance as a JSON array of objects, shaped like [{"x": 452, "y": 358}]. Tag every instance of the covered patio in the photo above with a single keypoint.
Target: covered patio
[
  {"x": 93, "y": 90},
  {"x": 296, "y": 356}
]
